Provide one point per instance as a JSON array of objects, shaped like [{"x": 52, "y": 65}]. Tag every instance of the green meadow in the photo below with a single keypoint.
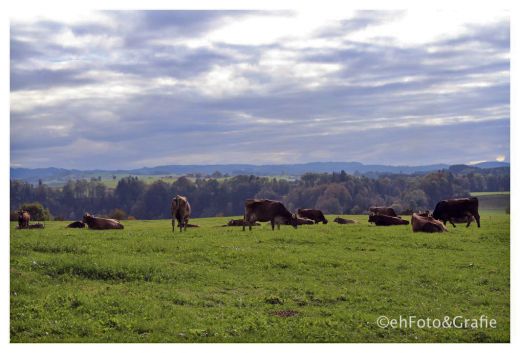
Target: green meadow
[{"x": 319, "y": 283}]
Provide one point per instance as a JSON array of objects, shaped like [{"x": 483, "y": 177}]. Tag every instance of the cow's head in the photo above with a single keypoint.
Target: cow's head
[
  {"x": 371, "y": 218},
  {"x": 325, "y": 221},
  {"x": 86, "y": 217}
]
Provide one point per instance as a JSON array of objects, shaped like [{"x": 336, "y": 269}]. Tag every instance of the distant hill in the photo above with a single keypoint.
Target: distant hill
[
  {"x": 487, "y": 165},
  {"x": 295, "y": 170}
]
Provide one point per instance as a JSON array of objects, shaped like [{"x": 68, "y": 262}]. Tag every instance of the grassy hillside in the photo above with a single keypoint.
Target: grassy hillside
[{"x": 320, "y": 283}]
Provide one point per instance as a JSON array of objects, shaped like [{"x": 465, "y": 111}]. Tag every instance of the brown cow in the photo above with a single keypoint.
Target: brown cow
[
  {"x": 385, "y": 211},
  {"x": 99, "y": 223},
  {"x": 181, "y": 210},
  {"x": 463, "y": 219},
  {"x": 382, "y": 220},
  {"x": 303, "y": 221},
  {"x": 23, "y": 219},
  {"x": 265, "y": 211},
  {"x": 424, "y": 222},
  {"x": 77, "y": 224},
  {"x": 238, "y": 223},
  {"x": 316, "y": 215},
  {"x": 340, "y": 220},
  {"x": 447, "y": 210},
  {"x": 191, "y": 225}
]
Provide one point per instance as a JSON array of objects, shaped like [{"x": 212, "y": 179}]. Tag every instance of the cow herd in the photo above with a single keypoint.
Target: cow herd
[{"x": 263, "y": 210}]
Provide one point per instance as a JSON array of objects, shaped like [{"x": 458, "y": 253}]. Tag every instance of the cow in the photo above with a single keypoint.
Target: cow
[
  {"x": 181, "y": 210},
  {"x": 36, "y": 226},
  {"x": 316, "y": 215},
  {"x": 23, "y": 219},
  {"x": 302, "y": 221},
  {"x": 447, "y": 210},
  {"x": 77, "y": 224},
  {"x": 463, "y": 219},
  {"x": 99, "y": 223},
  {"x": 424, "y": 222},
  {"x": 385, "y": 211},
  {"x": 267, "y": 211},
  {"x": 340, "y": 220},
  {"x": 238, "y": 223},
  {"x": 383, "y": 220}
]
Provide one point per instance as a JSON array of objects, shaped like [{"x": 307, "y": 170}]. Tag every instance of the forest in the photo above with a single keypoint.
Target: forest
[{"x": 334, "y": 193}]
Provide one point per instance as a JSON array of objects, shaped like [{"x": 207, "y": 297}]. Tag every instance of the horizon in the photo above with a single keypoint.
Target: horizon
[
  {"x": 270, "y": 164},
  {"x": 118, "y": 90}
]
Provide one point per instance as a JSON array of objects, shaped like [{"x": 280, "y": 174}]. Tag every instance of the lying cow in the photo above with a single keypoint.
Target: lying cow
[
  {"x": 76, "y": 224},
  {"x": 382, "y": 220},
  {"x": 303, "y": 221},
  {"x": 99, "y": 223},
  {"x": 23, "y": 219},
  {"x": 385, "y": 211},
  {"x": 316, "y": 215},
  {"x": 424, "y": 222},
  {"x": 181, "y": 210},
  {"x": 238, "y": 223},
  {"x": 36, "y": 226},
  {"x": 267, "y": 211},
  {"x": 448, "y": 210},
  {"x": 340, "y": 220}
]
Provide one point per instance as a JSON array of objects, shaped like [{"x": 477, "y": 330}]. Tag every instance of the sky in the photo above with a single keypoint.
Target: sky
[{"x": 128, "y": 89}]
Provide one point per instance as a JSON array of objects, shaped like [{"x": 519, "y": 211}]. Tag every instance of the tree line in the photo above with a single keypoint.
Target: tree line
[{"x": 337, "y": 193}]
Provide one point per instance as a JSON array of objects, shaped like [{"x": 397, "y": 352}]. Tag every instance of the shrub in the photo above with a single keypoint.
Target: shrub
[
  {"x": 118, "y": 214},
  {"x": 37, "y": 211}
]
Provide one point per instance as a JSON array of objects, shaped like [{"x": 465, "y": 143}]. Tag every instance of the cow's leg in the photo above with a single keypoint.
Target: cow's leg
[
  {"x": 272, "y": 224},
  {"x": 451, "y": 221},
  {"x": 468, "y": 220},
  {"x": 477, "y": 218},
  {"x": 278, "y": 226},
  {"x": 250, "y": 221},
  {"x": 173, "y": 224}
]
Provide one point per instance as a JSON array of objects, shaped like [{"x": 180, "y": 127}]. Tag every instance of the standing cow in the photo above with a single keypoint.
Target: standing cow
[
  {"x": 316, "y": 215},
  {"x": 181, "y": 210},
  {"x": 447, "y": 210},
  {"x": 265, "y": 211},
  {"x": 23, "y": 219}
]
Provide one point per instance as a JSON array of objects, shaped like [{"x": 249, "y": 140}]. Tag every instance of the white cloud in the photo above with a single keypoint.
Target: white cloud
[{"x": 421, "y": 26}]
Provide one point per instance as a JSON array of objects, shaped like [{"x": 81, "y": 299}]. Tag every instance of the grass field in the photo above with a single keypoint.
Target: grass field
[
  {"x": 493, "y": 201},
  {"x": 319, "y": 283}
]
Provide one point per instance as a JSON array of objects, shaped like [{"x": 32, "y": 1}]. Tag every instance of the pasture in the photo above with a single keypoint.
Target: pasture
[
  {"x": 319, "y": 283},
  {"x": 493, "y": 201}
]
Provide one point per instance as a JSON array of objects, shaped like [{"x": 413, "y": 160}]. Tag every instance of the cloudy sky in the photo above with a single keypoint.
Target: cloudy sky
[{"x": 130, "y": 89}]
